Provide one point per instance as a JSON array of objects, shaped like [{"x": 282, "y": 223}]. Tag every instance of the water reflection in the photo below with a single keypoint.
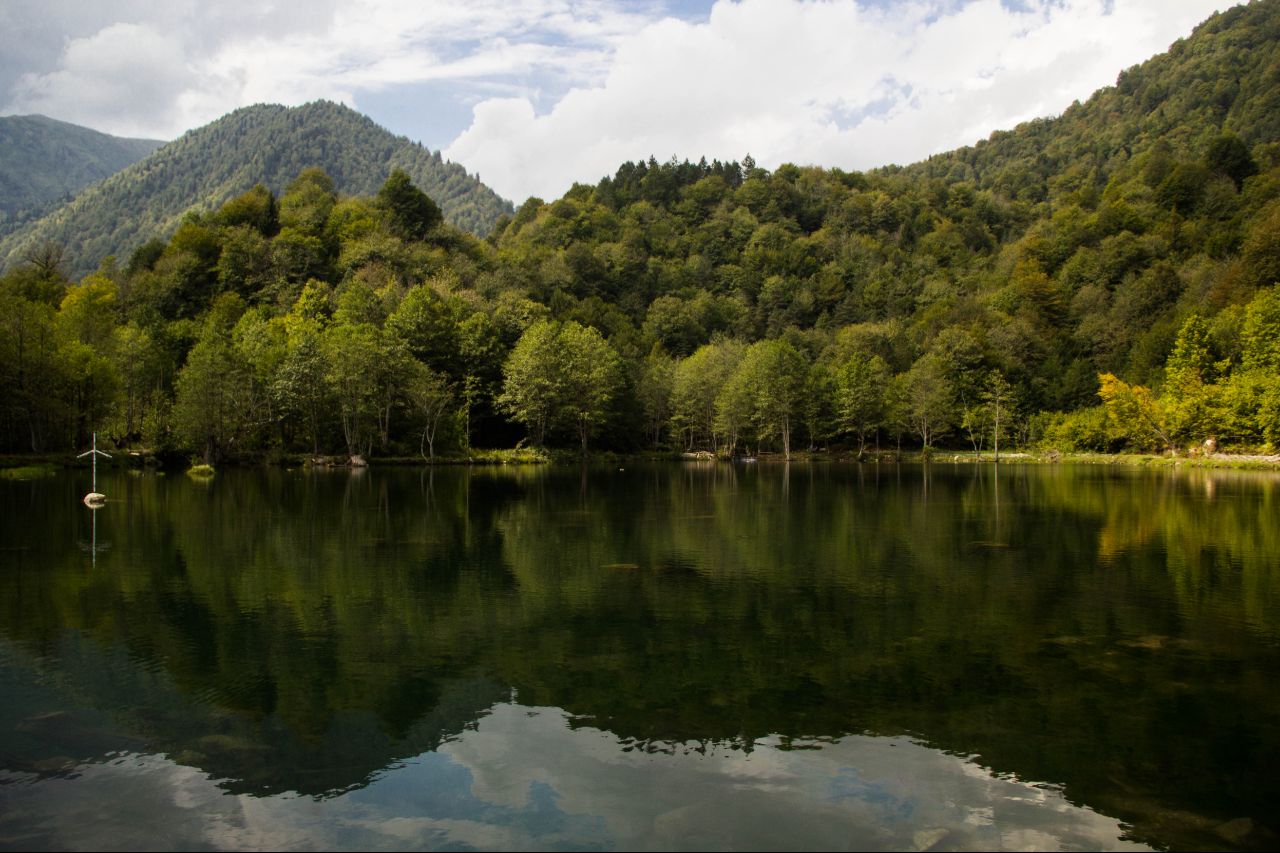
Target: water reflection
[
  {"x": 1112, "y": 633},
  {"x": 526, "y": 778}
]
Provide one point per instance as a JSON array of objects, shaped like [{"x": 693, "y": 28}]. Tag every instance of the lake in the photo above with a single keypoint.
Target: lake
[{"x": 697, "y": 656}]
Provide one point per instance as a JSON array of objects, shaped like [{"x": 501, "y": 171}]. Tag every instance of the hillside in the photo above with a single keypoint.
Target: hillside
[
  {"x": 1108, "y": 279},
  {"x": 1056, "y": 250},
  {"x": 1223, "y": 77},
  {"x": 266, "y": 144},
  {"x": 43, "y": 162}
]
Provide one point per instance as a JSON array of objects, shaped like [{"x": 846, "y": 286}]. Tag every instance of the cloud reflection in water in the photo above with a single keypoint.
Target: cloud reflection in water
[{"x": 527, "y": 778}]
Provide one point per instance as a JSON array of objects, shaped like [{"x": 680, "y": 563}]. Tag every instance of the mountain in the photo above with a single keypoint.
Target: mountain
[
  {"x": 44, "y": 162},
  {"x": 1133, "y": 239},
  {"x": 266, "y": 143},
  {"x": 1224, "y": 77},
  {"x": 1053, "y": 252}
]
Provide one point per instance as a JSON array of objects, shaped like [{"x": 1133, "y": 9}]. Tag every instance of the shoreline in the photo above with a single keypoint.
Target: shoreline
[{"x": 1231, "y": 461}]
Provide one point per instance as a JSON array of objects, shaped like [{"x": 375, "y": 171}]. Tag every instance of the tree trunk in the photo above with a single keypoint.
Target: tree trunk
[{"x": 995, "y": 436}]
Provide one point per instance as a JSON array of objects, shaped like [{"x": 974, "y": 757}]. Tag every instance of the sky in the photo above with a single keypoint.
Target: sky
[{"x": 534, "y": 95}]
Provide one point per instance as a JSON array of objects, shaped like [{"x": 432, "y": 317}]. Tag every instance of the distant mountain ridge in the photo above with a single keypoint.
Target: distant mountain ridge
[
  {"x": 265, "y": 143},
  {"x": 43, "y": 162}
]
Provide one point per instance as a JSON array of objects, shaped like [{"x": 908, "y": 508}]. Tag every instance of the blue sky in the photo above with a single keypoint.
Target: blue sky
[{"x": 535, "y": 94}]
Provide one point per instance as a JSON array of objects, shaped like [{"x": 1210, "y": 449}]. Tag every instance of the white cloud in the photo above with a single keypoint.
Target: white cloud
[
  {"x": 121, "y": 61},
  {"x": 774, "y": 79},
  {"x": 176, "y": 71},
  {"x": 563, "y": 90}
]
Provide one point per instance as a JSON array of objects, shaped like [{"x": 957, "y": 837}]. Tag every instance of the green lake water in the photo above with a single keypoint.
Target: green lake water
[{"x": 693, "y": 656}]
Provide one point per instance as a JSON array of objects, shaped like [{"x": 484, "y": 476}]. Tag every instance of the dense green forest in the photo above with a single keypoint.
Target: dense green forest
[
  {"x": 44, "y": 162},
  {"x": 1103, "y": 280},
  {"x": 267, "y": 144}
]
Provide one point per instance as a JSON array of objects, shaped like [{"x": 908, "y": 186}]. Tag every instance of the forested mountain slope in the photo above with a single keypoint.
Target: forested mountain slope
[
  {"x": 1102, "y": 280},
  {"x": 267, "y": 144},
  {"x": 1224, "y": 77},
  {"x": 1052, "y": 252},
  {"x": 44, "y": 162}
]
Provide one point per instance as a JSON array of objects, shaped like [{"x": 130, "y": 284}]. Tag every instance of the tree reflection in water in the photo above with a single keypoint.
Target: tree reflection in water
[{"x": 1110, "y": 632}]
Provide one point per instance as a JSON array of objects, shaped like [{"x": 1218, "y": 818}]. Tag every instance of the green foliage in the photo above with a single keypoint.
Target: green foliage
[
  {"x": 212, "y": 399},
  {"x": 431, "y": 396},
  {"x": 560, "y": 375},
  {"x": 1135, "y": 416},
  {"x": 255, "y": 209},
  {"x": 1081, "y": 430},
  {"x": 412, "y": 215},
  {"x": 697, "y": 384},
  {"x": 929, "y": 398},
  {"x": 1228, "y": 155},
  {"x": 863, "y": 386},
  {"x": 1260, "y": 335},
  {"x": 307, "y": 202},
  {"x": 771, "y": 377},
  {"x": 511, "y": 456},
  {"x": 214, "y": 165},
  {"x": 43, "y": 162},
  {"x": 654, "y": 390}
]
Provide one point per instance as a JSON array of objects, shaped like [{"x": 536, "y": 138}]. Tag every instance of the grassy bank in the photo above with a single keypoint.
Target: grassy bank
[{"x": 1239, "y": 461}]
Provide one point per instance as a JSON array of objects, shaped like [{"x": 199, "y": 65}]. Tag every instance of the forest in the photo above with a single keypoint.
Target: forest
[{"x": 1104, "y": 280}]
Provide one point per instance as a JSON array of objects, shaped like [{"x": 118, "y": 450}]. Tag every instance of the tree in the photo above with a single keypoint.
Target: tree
[
  {"x": 307, "y": 202},
  {"x": 532, "y": 387},
  {"x": 33, "y": 377},
  {"x": 261, "y": 343},
  {"x": 593, "y": 377},
  {"x": 482, "y": 353},
  {"x": 998, "y": 397},
  {"x": 352, "y": 365},
  {"x": 431, "y": 395},
  {"x": 43, "y": 272},
  {"x": 138, "y": 361},
  {"x": 818, "y": 404},
  {"x": 1228, "y": 155},
  {"x": 245, "y": 265},
  {"x": 1260, "y": 253},
  {"x": 654, "y": 388},
  {"x": 698, "y": 382},
  {"x": 771, "y": 377},
  {"x": 1260, "y": 335},
  {"x": 410, "y": 212},
  {"x": 1187, "y": 375},
  {"x": 930, "y": 398},
  {"x": 1133, "y": 412},
  {"x": 560, "y": 374},
  {"x": 300, "y": 386},
  {"x": 734, "y": 406},
  {"x": 208, "y": 409},
  {"x": 428, "y": 325},
  {"x": 861, "y": 385},
  {"x": 256, "y": 209}
]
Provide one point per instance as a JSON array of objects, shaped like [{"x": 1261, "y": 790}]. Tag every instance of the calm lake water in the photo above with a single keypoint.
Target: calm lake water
[{"x": 661, "y": 657}]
